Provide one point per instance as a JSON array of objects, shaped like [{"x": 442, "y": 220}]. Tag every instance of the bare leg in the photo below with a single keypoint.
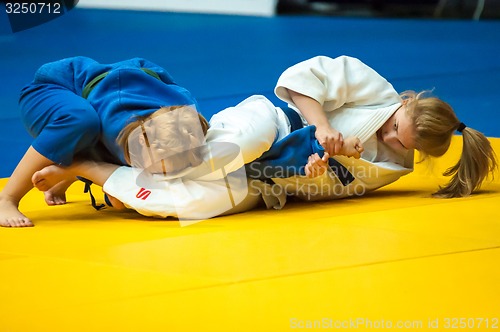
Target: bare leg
[
  {"x": 17, "y": 187},
  {"x": 97, "y": 172},
  {"x": 50, "y": 176}
]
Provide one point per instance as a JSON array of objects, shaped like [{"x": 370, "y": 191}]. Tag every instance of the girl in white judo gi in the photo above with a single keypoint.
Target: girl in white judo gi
[
  {"x": 344, "y": 97},
  {"x": 340, "y": 97}
]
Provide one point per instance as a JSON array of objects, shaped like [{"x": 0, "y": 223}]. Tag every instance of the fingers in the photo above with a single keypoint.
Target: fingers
[
  {"x": 359, "y": 149},
  {"x": 352, "y": 147},
  {"x": 338, "y": 143},
  {"x": 309, "y": 171},
  {"x": 330, "y": 139},
  {"x": 333, "y": 145},
  {"x": 316, "y": 165},
  {"x": 318, "y": 161}
]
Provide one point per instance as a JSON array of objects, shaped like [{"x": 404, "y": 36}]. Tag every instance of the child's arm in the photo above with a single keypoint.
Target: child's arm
[{"x": 329, "y": 138}]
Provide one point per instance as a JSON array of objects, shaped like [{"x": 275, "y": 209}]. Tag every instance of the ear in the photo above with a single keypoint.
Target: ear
[
  {"x": 144, "y": 137},
  {"x": 142, "y": 140}
]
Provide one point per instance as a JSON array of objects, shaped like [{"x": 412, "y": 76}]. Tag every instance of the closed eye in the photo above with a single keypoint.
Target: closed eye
[{"x": 396, "y": 126}]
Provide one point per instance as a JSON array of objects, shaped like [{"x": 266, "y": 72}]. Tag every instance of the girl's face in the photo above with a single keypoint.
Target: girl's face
[{"x": 398, "y": 132}]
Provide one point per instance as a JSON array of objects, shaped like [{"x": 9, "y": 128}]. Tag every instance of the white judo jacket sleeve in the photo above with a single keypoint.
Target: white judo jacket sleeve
[{"x": 335, "y": 82}]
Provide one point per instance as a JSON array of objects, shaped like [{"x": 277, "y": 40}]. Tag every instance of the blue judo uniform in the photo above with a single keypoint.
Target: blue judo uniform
[{"x": 79, "y": 106}]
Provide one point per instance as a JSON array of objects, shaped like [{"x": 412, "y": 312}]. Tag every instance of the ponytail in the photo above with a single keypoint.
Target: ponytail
[
  {"x": 476, "y": 162},
  {"x": 435, "y": 123}
]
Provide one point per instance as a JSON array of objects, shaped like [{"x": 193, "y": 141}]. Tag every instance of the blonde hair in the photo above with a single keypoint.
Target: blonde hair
[
  {"x": 174, "y": 131},
  {"x": 435, "y": 123}
]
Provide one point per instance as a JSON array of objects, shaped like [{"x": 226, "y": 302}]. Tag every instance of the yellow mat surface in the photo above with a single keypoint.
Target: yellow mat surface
[{"x": 395, "y": 259}]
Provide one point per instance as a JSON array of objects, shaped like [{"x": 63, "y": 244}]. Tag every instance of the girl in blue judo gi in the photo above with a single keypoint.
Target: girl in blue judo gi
[{"x": 77, "y": 107}]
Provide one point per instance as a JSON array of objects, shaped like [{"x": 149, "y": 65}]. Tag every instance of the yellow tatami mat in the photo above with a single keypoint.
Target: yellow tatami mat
[{"x": 396, "y": 259}]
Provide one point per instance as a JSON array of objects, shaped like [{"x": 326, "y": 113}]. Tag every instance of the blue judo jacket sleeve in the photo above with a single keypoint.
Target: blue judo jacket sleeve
[{"x": 288, "y": 157}]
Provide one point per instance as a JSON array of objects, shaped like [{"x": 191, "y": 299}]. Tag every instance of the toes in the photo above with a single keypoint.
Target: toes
[
  {"x": 16, "y": 222},
  {"x": 26, "y": 223},
  {"x": 60, "y": 200}
]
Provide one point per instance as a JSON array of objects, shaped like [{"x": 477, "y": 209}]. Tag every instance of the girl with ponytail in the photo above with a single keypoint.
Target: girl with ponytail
[
  {"x": 435, "y": 122},
  {"x": 344, "y": 97}
]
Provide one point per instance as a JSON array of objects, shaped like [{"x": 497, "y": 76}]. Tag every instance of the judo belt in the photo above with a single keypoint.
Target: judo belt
[
  {"x": 293, "y": 118},
  {"x": 92, "y": 84},
  {"x": 85, "y": 94},
  {"x": 87, "y": 189}
]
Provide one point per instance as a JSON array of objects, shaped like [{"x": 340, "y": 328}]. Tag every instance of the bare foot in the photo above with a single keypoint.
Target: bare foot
[
  {"x": 57, "y": 194},
  {"x": 10, "y": 216},
  {"x": 50, "y": 177}
]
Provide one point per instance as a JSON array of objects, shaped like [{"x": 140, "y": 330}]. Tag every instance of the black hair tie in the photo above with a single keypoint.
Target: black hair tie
[{"x": 461, "y": 127}]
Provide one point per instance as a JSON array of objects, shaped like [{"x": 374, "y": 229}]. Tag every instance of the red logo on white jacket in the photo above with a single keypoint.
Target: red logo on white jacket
[{"x": 143, "y": 194}]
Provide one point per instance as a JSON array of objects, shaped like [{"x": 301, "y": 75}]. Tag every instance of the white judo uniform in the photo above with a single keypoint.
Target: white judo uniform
[{"x": 357, "y": 102}]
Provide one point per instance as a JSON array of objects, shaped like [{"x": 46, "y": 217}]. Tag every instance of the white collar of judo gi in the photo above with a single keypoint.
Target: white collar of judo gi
[{"x": 363, "y": 122}]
